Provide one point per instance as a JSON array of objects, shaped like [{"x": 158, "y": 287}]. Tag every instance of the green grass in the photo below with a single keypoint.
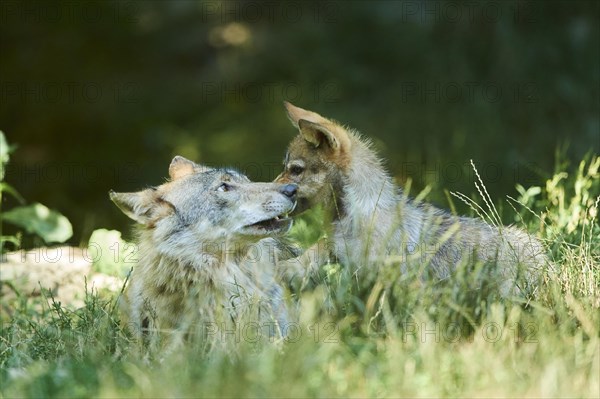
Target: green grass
[{"x": 380, "y": 335}]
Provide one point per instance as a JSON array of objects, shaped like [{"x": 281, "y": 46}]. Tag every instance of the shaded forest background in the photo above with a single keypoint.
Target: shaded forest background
[{"x": 100, "y": 95}]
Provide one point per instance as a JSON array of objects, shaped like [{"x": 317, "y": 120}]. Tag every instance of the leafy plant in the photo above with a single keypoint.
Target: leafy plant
[
  {"x": 568, "y": 208},
  {"x": 50, "y": 225}
]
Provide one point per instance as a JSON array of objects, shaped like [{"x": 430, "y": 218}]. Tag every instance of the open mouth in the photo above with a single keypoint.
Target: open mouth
[{"x": 278, "y": 224}]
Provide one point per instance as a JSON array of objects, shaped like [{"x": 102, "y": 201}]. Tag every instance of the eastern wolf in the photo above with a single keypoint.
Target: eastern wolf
[
  {"x": 374, "y": 221},
  {"x": 204, "y": 258}
]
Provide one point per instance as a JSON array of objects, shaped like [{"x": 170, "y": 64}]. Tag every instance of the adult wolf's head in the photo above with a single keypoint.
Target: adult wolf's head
[
  {"x": 317, "y": 158},
  {"x": 201, "y": 205}
]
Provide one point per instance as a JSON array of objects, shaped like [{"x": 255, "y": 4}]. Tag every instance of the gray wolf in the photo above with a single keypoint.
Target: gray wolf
[
  {"x": 206, "y": 256},
  {"x": 373, "y": 221}
]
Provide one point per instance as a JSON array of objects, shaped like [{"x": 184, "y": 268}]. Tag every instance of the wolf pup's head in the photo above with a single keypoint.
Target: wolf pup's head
[
  {"x": 203, "y": 204},
  {"x": 317, "y": 158}
]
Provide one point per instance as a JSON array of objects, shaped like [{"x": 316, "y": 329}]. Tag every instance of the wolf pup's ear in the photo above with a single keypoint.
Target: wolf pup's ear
[
  {"x": 317, "y": 134},
  {"x": 318, "y": 130},
  {"x": 296, "y": 113},
  {"x": 144, "y": 206},
  {"x": 181, "y": 167}
]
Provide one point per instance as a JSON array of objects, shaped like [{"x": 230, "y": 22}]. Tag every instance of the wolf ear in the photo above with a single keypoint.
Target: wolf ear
[
  {"x": 318, "y": 130},
  {"x": 181, "y": 167},
  {"x": 317, "y": 134},
  {"x": 143, "y": 206},
  {"x": 296, "y": 113}
]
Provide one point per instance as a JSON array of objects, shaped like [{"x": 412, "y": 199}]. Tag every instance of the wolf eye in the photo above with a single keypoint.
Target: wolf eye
[
  {"x": 224, "y": 187},
  {"x": 296, "y": 169}
]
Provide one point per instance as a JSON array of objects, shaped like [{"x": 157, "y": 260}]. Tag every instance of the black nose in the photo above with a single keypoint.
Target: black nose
[{"x": 289, "y": 190}]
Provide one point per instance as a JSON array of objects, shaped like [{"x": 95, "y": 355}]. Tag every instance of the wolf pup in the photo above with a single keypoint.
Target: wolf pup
[
  {"x": 373, "y": 221},
  {"x": 203, "y": 256}
]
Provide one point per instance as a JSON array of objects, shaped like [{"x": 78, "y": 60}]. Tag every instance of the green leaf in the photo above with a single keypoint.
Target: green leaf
[
  {"x": 7, "y": 188},
  {"x": 50, "y": 225},
  {"x": 5, "y": 150}
]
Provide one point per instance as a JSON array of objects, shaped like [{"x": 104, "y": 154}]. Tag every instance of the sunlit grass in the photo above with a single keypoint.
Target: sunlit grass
[{"x": 381, "y": 335}]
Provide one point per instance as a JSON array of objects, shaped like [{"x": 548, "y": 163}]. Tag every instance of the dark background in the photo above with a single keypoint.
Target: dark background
[{"x": 100, "y": 95}]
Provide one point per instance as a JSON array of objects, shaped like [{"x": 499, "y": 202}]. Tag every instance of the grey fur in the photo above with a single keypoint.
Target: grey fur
[
  {"x": 202, "y": 262},
  {"x": 375, "y": 223}
]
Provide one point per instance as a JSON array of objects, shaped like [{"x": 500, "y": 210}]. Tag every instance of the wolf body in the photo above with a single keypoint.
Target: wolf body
[
  {"x": 206, "y": 258},
  {"x": 374, "y": 222}
]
